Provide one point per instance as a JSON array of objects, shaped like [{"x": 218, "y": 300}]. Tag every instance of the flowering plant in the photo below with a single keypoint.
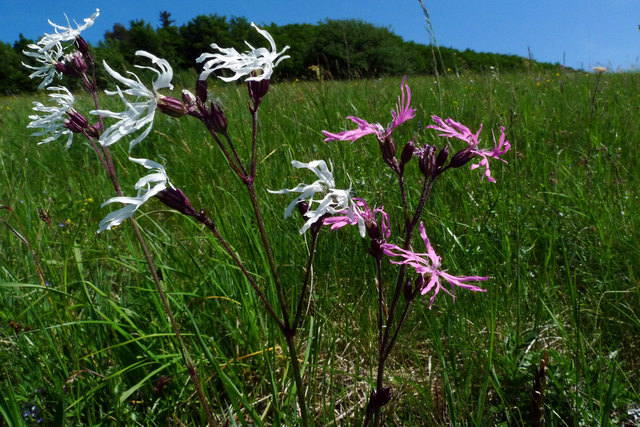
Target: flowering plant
[{"x": 322, "y": 204}]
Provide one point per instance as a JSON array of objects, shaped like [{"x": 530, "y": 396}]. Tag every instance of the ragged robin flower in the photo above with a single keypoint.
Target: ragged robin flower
[
  {"x": 332, "y": 201},
  {"x": 428, "y": 267},
  {"x": 139, "y": 112},
  {"x": 401, "y": 114},
  {"x": 258, "y": 63},
  {"x": 451, "y": 129},
  {"x": 359, "y": 213},
  {"x": 147, "y": 186},
  {"x": 57, "y": 120},
  {"x": 49, "y": 50}
]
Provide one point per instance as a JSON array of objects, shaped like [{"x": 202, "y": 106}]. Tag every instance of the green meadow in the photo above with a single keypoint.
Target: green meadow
[{"x": 90, "y": 344}]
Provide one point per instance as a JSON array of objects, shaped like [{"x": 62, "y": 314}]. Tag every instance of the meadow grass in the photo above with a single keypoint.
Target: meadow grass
[{"x": 558, "y": 234}]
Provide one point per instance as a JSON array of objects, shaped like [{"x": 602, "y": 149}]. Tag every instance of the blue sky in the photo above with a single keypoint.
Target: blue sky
[{"x": 580, "y": 34}]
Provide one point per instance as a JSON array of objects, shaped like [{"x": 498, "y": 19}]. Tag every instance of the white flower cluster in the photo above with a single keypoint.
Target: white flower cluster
[
  {"x": 53, "y": 119},
  {"x": 243, "y": 64},
  {"x": 48, "y": 51},
  {"x": 333, "y": 200}
]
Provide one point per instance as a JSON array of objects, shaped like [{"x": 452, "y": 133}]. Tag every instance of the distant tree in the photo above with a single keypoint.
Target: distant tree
[
  {"x": 336, "y": 49},
  {"x": 201, "y": 31},
  {"x": 355, "y": 49},
  {"x": 119, "y": 33},
  {"x": 14, "y": 77},
  {"x": 165, "y": 19},
  {"x": 301, "y": 41}
]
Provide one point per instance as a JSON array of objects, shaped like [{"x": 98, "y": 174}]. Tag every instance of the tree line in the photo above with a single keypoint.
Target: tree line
[{"x": 331, "y": 49}]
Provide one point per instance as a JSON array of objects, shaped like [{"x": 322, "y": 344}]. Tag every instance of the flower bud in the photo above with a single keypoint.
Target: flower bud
[
  {"x": 303, "y": 208},
  {"x": 73, "y": 64},
  {"x": 217, "y": 118},
  {"x": 407, "y": 290},
  {"x": 461, "y": 157},
  {"x": 82, "y": 45},
  {"x": 201, "y": 90},
  {"x": 427, "y": 161},
  {"x": 76, "y": 123},
  {"x": 176, "y": 199},
  {"x": 373, "y": 231},
  {"x": 79, "y": 64},
  {"x": 61, "y": 67},
  {"x": 388, "y": 147},
  {"x": 171, "y": 106},
  {"x": 407, "y": 152},
  {"x": 257, "y": 91},
  {"x": 375, "y": 250},
  {"x": 188, "y": 99},
  {"x": 442, "y": 157}
]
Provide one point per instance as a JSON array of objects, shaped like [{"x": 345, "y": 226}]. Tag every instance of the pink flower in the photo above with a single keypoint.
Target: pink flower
[
  {"x": 429, "y": 265},
  {"x": 359, "y": 213},
  {"x": 401, "y": 114},
  {"x": 452, "y": 129}
]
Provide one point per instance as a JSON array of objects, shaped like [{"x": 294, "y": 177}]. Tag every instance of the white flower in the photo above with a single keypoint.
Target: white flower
[
  {"x": 48, "y": 51},
  {"x": 52, "y": 122},
  {"x": 139, "y": 113},
  {"x": 243, "y": 64},
  {"x": 147, "y": 186},
  {"x": 64, "y": 34},
  {"x": 48, "y": 60},
  {"x": 333, "y": 200}
]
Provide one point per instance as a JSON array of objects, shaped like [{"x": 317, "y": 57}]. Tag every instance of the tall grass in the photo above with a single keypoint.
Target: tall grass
[{"x": 558, "y": 234}]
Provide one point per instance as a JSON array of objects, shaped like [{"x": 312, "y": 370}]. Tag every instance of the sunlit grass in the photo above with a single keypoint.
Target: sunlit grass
[{"x": 557, "y": 233}]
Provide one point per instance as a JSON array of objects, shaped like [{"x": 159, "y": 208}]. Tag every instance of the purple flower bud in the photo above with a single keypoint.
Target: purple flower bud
[
  {"x": 373, "y": 231},
  {"x": 407, "y": 290},
  {"x": 407, "y": 152},
  {"x": 217, "y": 120},
  {"x": 73, "y": 65},
  {"x": 257, "y": 91},
  {"x": 303, "y": 207},
  {"x": 78, "y": 64},
  {"x": 171, "y": 106},
  {"x": 76, "y": 122},
  {"x": 82, "y": 46},
  {"x": 427, "y": 161},
  {"x": 201, "y": 90},
  {"x": 388, "y": 147},
  {"x": 188, "y": 99},
  {"x": 61, "y": 67},
  {"x": 176, "y": 199},
  {"x": 462, "y": 157},
  {"x": 442, "y": 157}
]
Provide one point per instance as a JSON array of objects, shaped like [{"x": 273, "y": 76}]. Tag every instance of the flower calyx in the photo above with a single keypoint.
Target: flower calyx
[
  {"x": 171, "y": 106},
  {"x": 176, "y": 199},
  {"x": 257, "y": 90},
  {"x": 388, "y": 150},
  {"x": 462, "y": 157}
]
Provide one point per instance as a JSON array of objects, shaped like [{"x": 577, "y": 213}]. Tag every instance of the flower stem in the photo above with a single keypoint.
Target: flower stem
[
  {"x": 107, "y": 162},
  {"x": 307, "y": 277},
  {"x": 288, "y": 330},
  {"x": 176, "y": 329},
  {"x": 208, "y": 222},
  {"x": 269, "y": 252}
]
